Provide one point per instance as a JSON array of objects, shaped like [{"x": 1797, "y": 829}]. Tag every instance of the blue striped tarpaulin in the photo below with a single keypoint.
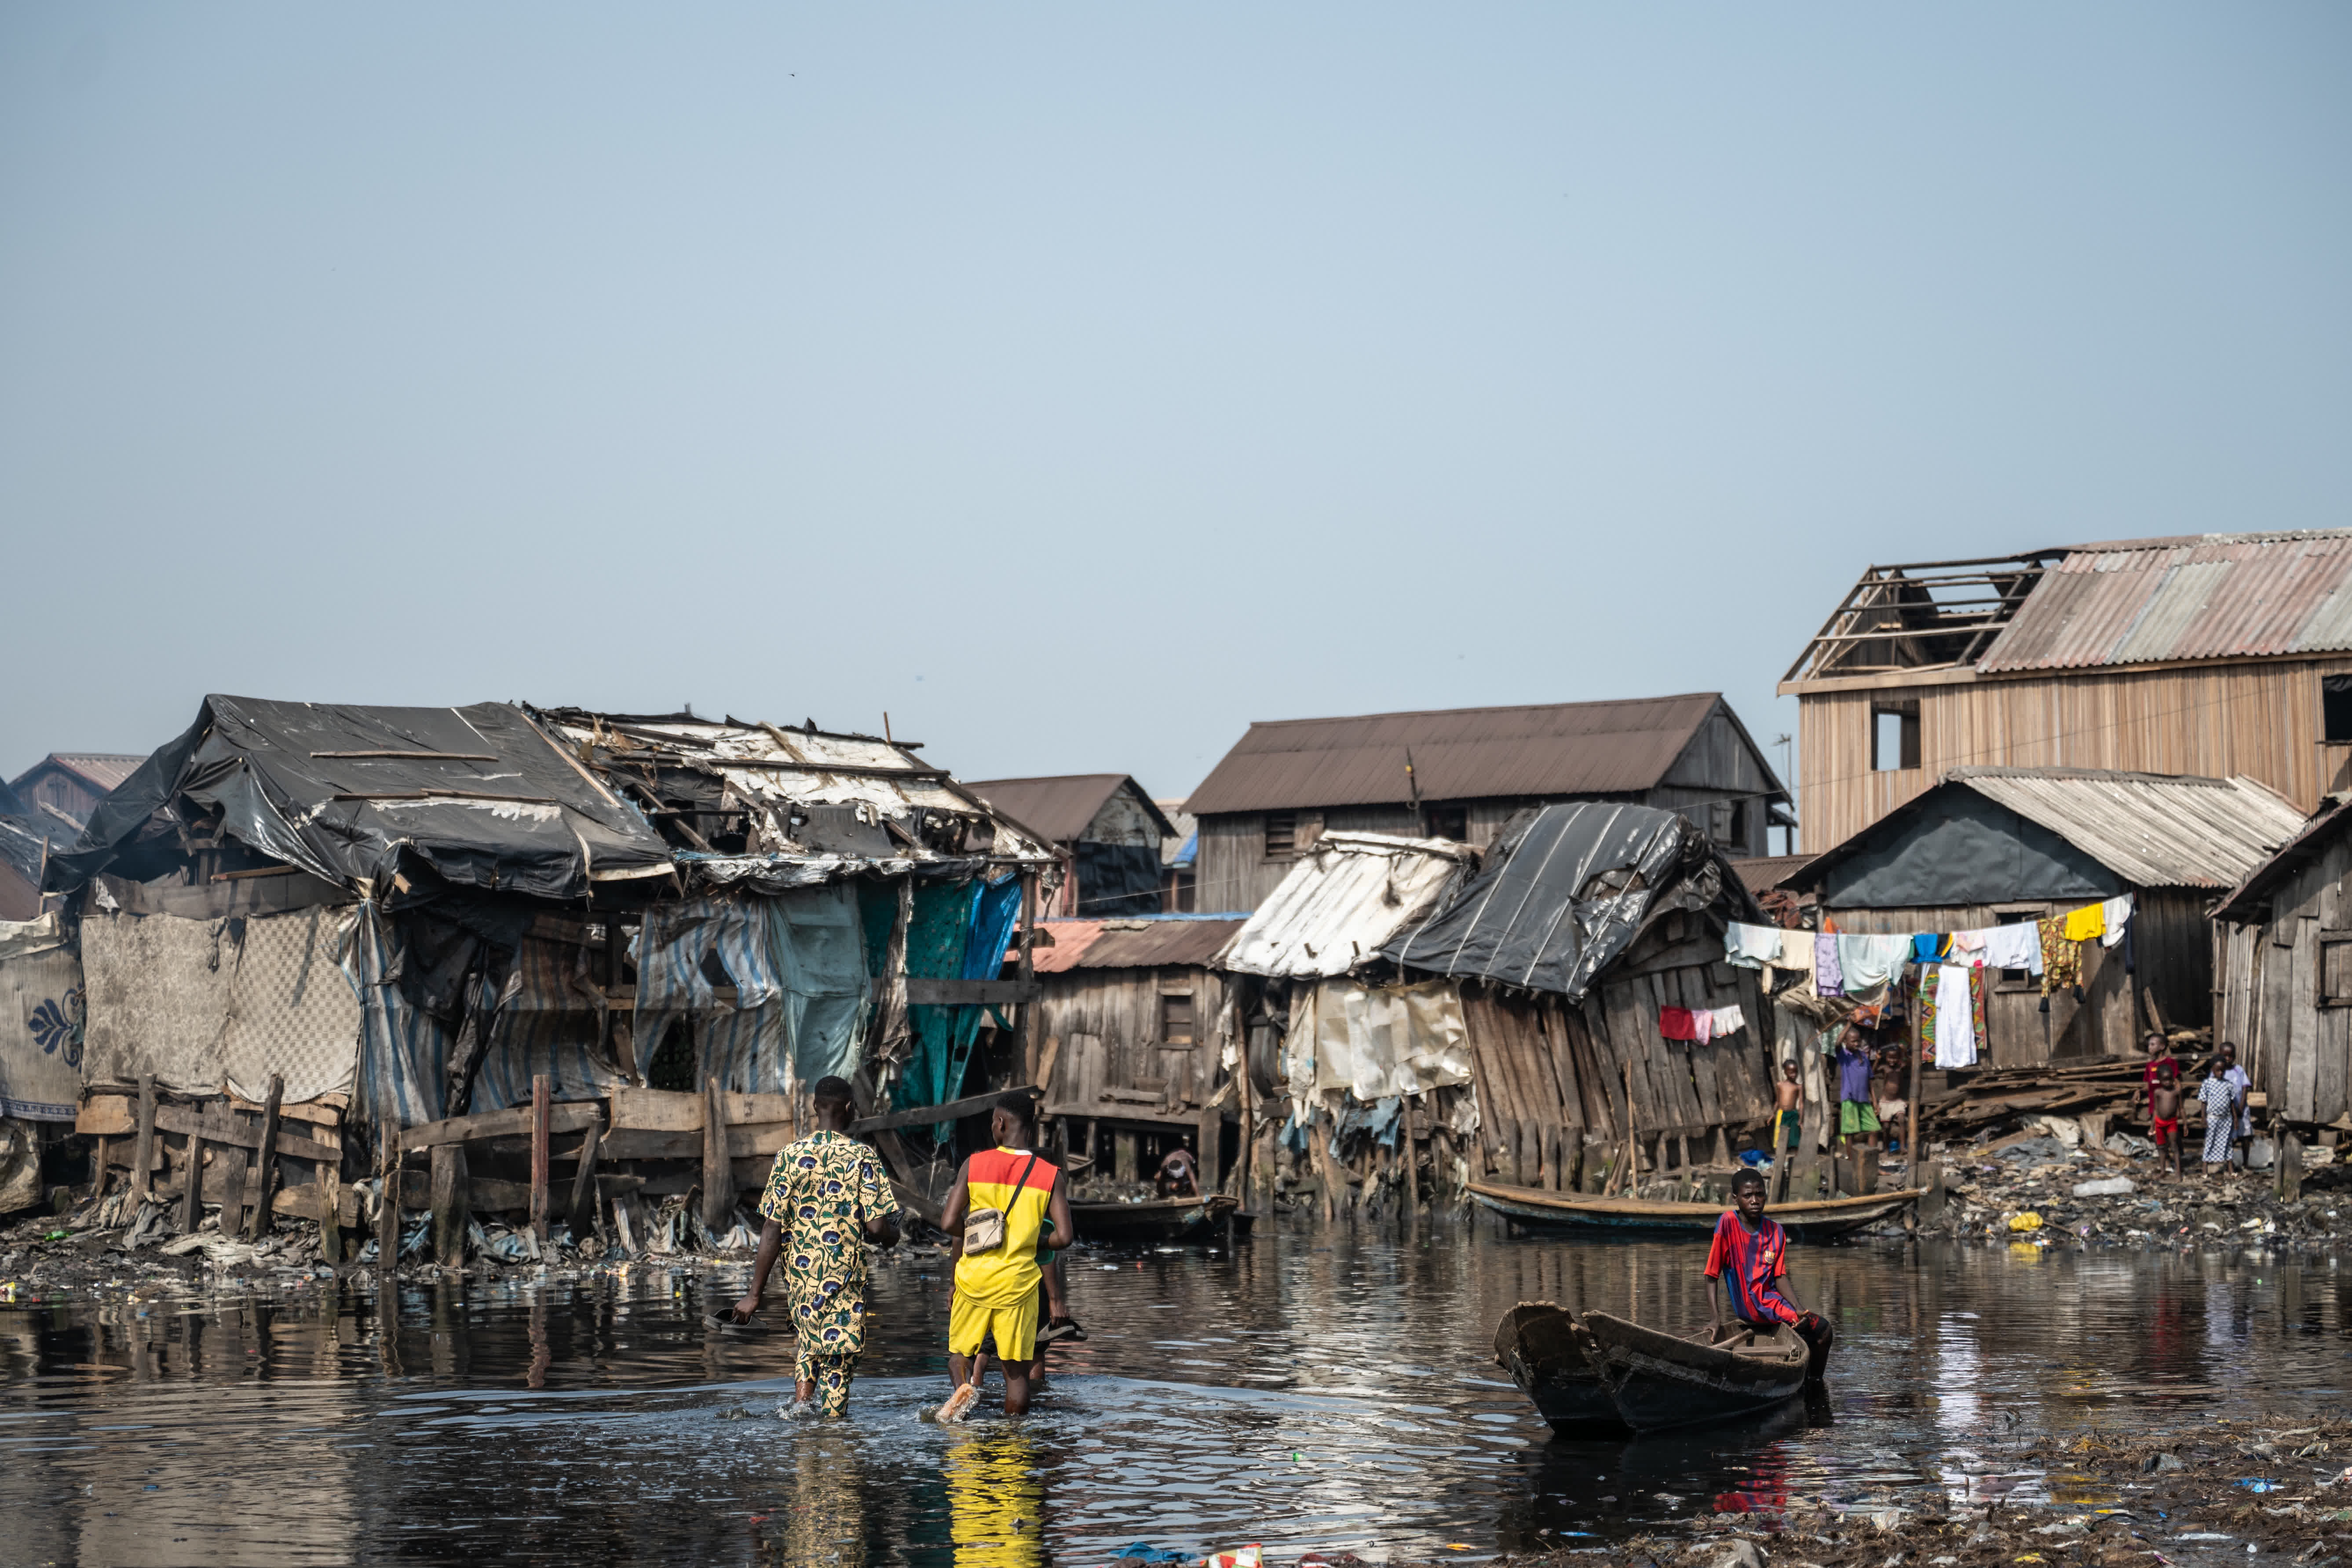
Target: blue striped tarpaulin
[
  {"x": 404, "y": 1053},
  {"x": 546, "y": 1022}
]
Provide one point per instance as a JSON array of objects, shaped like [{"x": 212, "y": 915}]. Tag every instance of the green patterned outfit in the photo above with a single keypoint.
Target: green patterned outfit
[{"x": 822, "y": 1190}]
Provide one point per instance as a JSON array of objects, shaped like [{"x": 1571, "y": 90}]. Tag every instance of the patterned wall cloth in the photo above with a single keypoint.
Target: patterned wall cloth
[
  {"x": 40, "y": 1022},
  {"x": 211, "y": 1004}
]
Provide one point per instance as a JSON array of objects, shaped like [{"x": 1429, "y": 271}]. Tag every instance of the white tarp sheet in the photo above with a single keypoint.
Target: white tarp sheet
[
  {"x": 1403, "y": 1039},
  {"x": 40, "y": 1021},
  {"x": 206, "y": 1004},
  {"x": 1344, "y": 901}
]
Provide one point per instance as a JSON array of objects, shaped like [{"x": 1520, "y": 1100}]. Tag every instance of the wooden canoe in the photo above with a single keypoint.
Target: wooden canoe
[
  {"x": 1813, "y": 1221},
  {"x": 1659, "y": 1380},
  {"x": 1161, "y": 1219},
  {"x": 1549, "y": 1354}
]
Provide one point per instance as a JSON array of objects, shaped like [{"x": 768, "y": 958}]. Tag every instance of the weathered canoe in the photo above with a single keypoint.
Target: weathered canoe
[
  {"x": 1805, "y": 1220},
  {"x": 1161, "y": 1219},
  {"x": 1659, "y": 1380},
  {"x": 1548, "y": 1354}
]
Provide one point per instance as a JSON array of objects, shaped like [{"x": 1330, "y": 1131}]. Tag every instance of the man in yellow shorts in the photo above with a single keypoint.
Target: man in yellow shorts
[{"x": 996, "y": 1288}]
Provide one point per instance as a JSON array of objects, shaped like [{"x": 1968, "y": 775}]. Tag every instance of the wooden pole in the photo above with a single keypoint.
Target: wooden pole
[
  {"x": 582, "y": 1211},
  {"x": 542, "y": 1090},
  {"x": 142, "y": 1152},
  {"x": 453, "y": 1207},
  {"x": 388, "y": 1202},
  {"x": 718, "y": 1179},
  {"x": 265, "y": 1165},
  {"x": 1413, "y": 1151},
  {"x": 1911, "y": 1108},
  {"x": 1632, "y": 1149},
  {"x": 1025, "y": 969},
  {"x": 192, "y": 1199},
  {"x": 331, "y": 1213},
  {"x": 1245, "y": 1157},
  {"x": 98, "y": 1170}
]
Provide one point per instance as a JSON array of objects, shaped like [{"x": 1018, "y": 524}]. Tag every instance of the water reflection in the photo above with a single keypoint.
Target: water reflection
[{"x": 1323, "y": 1388}]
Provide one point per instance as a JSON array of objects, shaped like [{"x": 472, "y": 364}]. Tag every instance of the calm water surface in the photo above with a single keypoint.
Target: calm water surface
[{"x": 1321, "y": 1387}]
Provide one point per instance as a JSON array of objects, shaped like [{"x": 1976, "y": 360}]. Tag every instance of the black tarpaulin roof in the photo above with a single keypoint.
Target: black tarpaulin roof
[
  {"x": 478, "y": 796},
  {"x": 1568, "y": 888}
]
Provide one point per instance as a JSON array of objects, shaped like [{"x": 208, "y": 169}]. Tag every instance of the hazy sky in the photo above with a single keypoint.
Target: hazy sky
[{"x": 1080, "y": 383}]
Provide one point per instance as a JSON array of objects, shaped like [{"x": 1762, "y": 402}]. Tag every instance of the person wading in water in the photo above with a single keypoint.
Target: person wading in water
[{"x": 996, "y": 1211}]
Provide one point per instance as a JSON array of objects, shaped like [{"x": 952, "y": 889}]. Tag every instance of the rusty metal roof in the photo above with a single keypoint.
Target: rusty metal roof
[
  {"x": 2250, "y": 898},
  {"x": 1060, "y": 807},
  {"x": 1167, "y": 942},
  {"x": 1460, "y": 753},
  {"x": 100, "y": 770},
  {"x": 1762, "y": 873}
]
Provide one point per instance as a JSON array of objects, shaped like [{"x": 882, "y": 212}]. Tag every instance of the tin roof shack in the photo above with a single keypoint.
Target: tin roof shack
[
  {"x": 65, "y": 787},
  {"x": 2283, "y": 970},
  {"x": 2217, "y": 655},
  {"x": 1992, "y": 847},
  {"x": 1178, "y": 855},
  {"x": 1135, "y": 1025},
  {"x": 1110, "y": 833},
  {"x": 1589, "y": 934},
  {"x": 1351, "y": 1073},
  {"x": 1464, "y": 773}
]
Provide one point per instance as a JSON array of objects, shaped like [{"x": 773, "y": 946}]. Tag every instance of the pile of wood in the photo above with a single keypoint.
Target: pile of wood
[
  {"x": 254, "y": 1162},
  {"x": 1991, "y": 1101}
]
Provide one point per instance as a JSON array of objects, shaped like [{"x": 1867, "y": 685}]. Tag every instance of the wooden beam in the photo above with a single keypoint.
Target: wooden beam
[
  {"x": 192, "y": 1199},
  {"x": 568, "y": 1115},
  {"x": 718, "y": 1179},
  {"x": 142, "y": 1156},
  {"x": 453, "y": 1207},
  {"x": 265, "y": 1166},
  {"x": 924, "y": 1115},
  {"x": 541, "y": 1091},
  {"x": 922, "y": 993},
  {"x": 583, "y": 1212}
]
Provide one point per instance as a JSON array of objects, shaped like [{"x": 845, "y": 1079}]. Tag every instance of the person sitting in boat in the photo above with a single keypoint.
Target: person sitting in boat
[
  {"x": 1179, "y": 1175},
  {"x": 1750, "y": 1256}
]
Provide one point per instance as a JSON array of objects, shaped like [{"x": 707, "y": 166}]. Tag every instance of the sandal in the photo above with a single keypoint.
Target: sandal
[{"x": 1062, "y": 1328}]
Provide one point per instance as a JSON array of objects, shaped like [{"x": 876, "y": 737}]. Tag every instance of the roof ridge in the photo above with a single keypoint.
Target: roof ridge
[{"x": 1495, "y": 707}]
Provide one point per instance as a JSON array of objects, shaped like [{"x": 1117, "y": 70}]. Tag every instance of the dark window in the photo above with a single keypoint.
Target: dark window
[
  {"x": 2335, "y": 708},
  {"x": 1894, "y": 736},
  {"x": 1281, "y": 835},
  {"x": 1448, "y": 822},
  {"x": 1176, "y": 1018}
]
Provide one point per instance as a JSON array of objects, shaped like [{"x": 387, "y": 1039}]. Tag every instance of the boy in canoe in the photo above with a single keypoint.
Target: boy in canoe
[{"x": 1750, "y": 1256}]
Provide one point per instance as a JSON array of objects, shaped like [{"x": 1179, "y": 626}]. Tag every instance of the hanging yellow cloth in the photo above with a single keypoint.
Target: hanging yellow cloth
[{"x": 2087, "y": 923}]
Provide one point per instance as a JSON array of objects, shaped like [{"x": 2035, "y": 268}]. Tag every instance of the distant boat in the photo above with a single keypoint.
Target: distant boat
[
  {"x": 1550, "y": 1356},
  {"x": 1658, "y": 1380},
  {"x": 1161, "y": 1219},
  {"x": 1813, "y": 1221}
]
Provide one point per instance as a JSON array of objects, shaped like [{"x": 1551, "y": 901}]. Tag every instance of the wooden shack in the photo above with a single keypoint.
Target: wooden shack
[
  {"x": 1991, "y": 847},
  {"x": 2283, "y": 970},
  {"x": 1133, "y": 1023}
]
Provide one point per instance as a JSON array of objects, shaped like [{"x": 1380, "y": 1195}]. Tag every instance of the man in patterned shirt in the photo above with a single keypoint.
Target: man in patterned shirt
[{"x": 831, "y": 1193}]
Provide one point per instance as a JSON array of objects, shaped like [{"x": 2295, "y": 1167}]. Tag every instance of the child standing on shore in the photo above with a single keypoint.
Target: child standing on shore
[{"x": 2164, "y": 1114}]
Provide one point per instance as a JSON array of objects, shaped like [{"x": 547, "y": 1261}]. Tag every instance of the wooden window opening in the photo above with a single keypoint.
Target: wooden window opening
[
  {"x": 1894, "y": 735},
  {"x": 2335, "y": 710},
  {"x": 2017, "y": 979},
  {"x": 1176, "y": 1018}
]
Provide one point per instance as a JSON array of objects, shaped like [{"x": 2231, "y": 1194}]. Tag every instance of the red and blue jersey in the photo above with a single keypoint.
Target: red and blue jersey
[{"x": 1749, "y": 1262}]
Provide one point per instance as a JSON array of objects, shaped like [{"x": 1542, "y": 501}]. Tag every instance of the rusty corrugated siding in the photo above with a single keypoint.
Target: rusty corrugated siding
[
  {"x": 2242, "y": 595},
  {"x": 1464, "y": 754}
]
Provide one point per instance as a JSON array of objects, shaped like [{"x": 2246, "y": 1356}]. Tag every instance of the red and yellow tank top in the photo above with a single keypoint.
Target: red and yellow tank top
[{"x": 1007, "y": 1275}]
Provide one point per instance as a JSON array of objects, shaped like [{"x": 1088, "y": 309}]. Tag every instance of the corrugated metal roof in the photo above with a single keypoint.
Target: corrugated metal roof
[
  {"x": 2317, "y": 836},
  {"x": 2219, "y": 596},
  {"x": 1462, "y": 753},
  {"x": 1344, "y": 901},
  {"x": 1181, "y": 943},
  {"x": 100, "y": 770},
  {"x": 1060, "y": 807},
  {"x": 2154, "y": 830},
  {"x": 1762, "y": 873}
]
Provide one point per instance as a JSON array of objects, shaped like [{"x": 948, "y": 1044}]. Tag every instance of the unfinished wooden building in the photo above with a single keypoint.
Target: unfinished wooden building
[
  {"x": 2217, "y": 656},
  {"x": 1462, "y": 774}
]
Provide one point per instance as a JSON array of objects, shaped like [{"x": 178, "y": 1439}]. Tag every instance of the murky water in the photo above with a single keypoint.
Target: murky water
[{"x": 1327, "y": 1388}]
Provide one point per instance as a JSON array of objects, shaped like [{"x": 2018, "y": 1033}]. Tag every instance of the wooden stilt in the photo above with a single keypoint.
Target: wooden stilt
[
  {"x": 452, "y": 1205},
  {"x": 192, "y": 1195},
  {"x": 717, "y": 1177},
  {"x": 583, "y": 1212},
  {"x": 143, "y": 1151},
  {"x": 542, "y": 1095},
  {"x": 263, "y": 1166}
]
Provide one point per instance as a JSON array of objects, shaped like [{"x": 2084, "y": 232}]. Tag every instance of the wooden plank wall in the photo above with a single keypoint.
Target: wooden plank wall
[
  {"x": 2268, "y": 992},
  {"x": 1550, "y": 1074},
  {"x": 1112, "y": 1062},
  {"x": 2256, "y": 718}
]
